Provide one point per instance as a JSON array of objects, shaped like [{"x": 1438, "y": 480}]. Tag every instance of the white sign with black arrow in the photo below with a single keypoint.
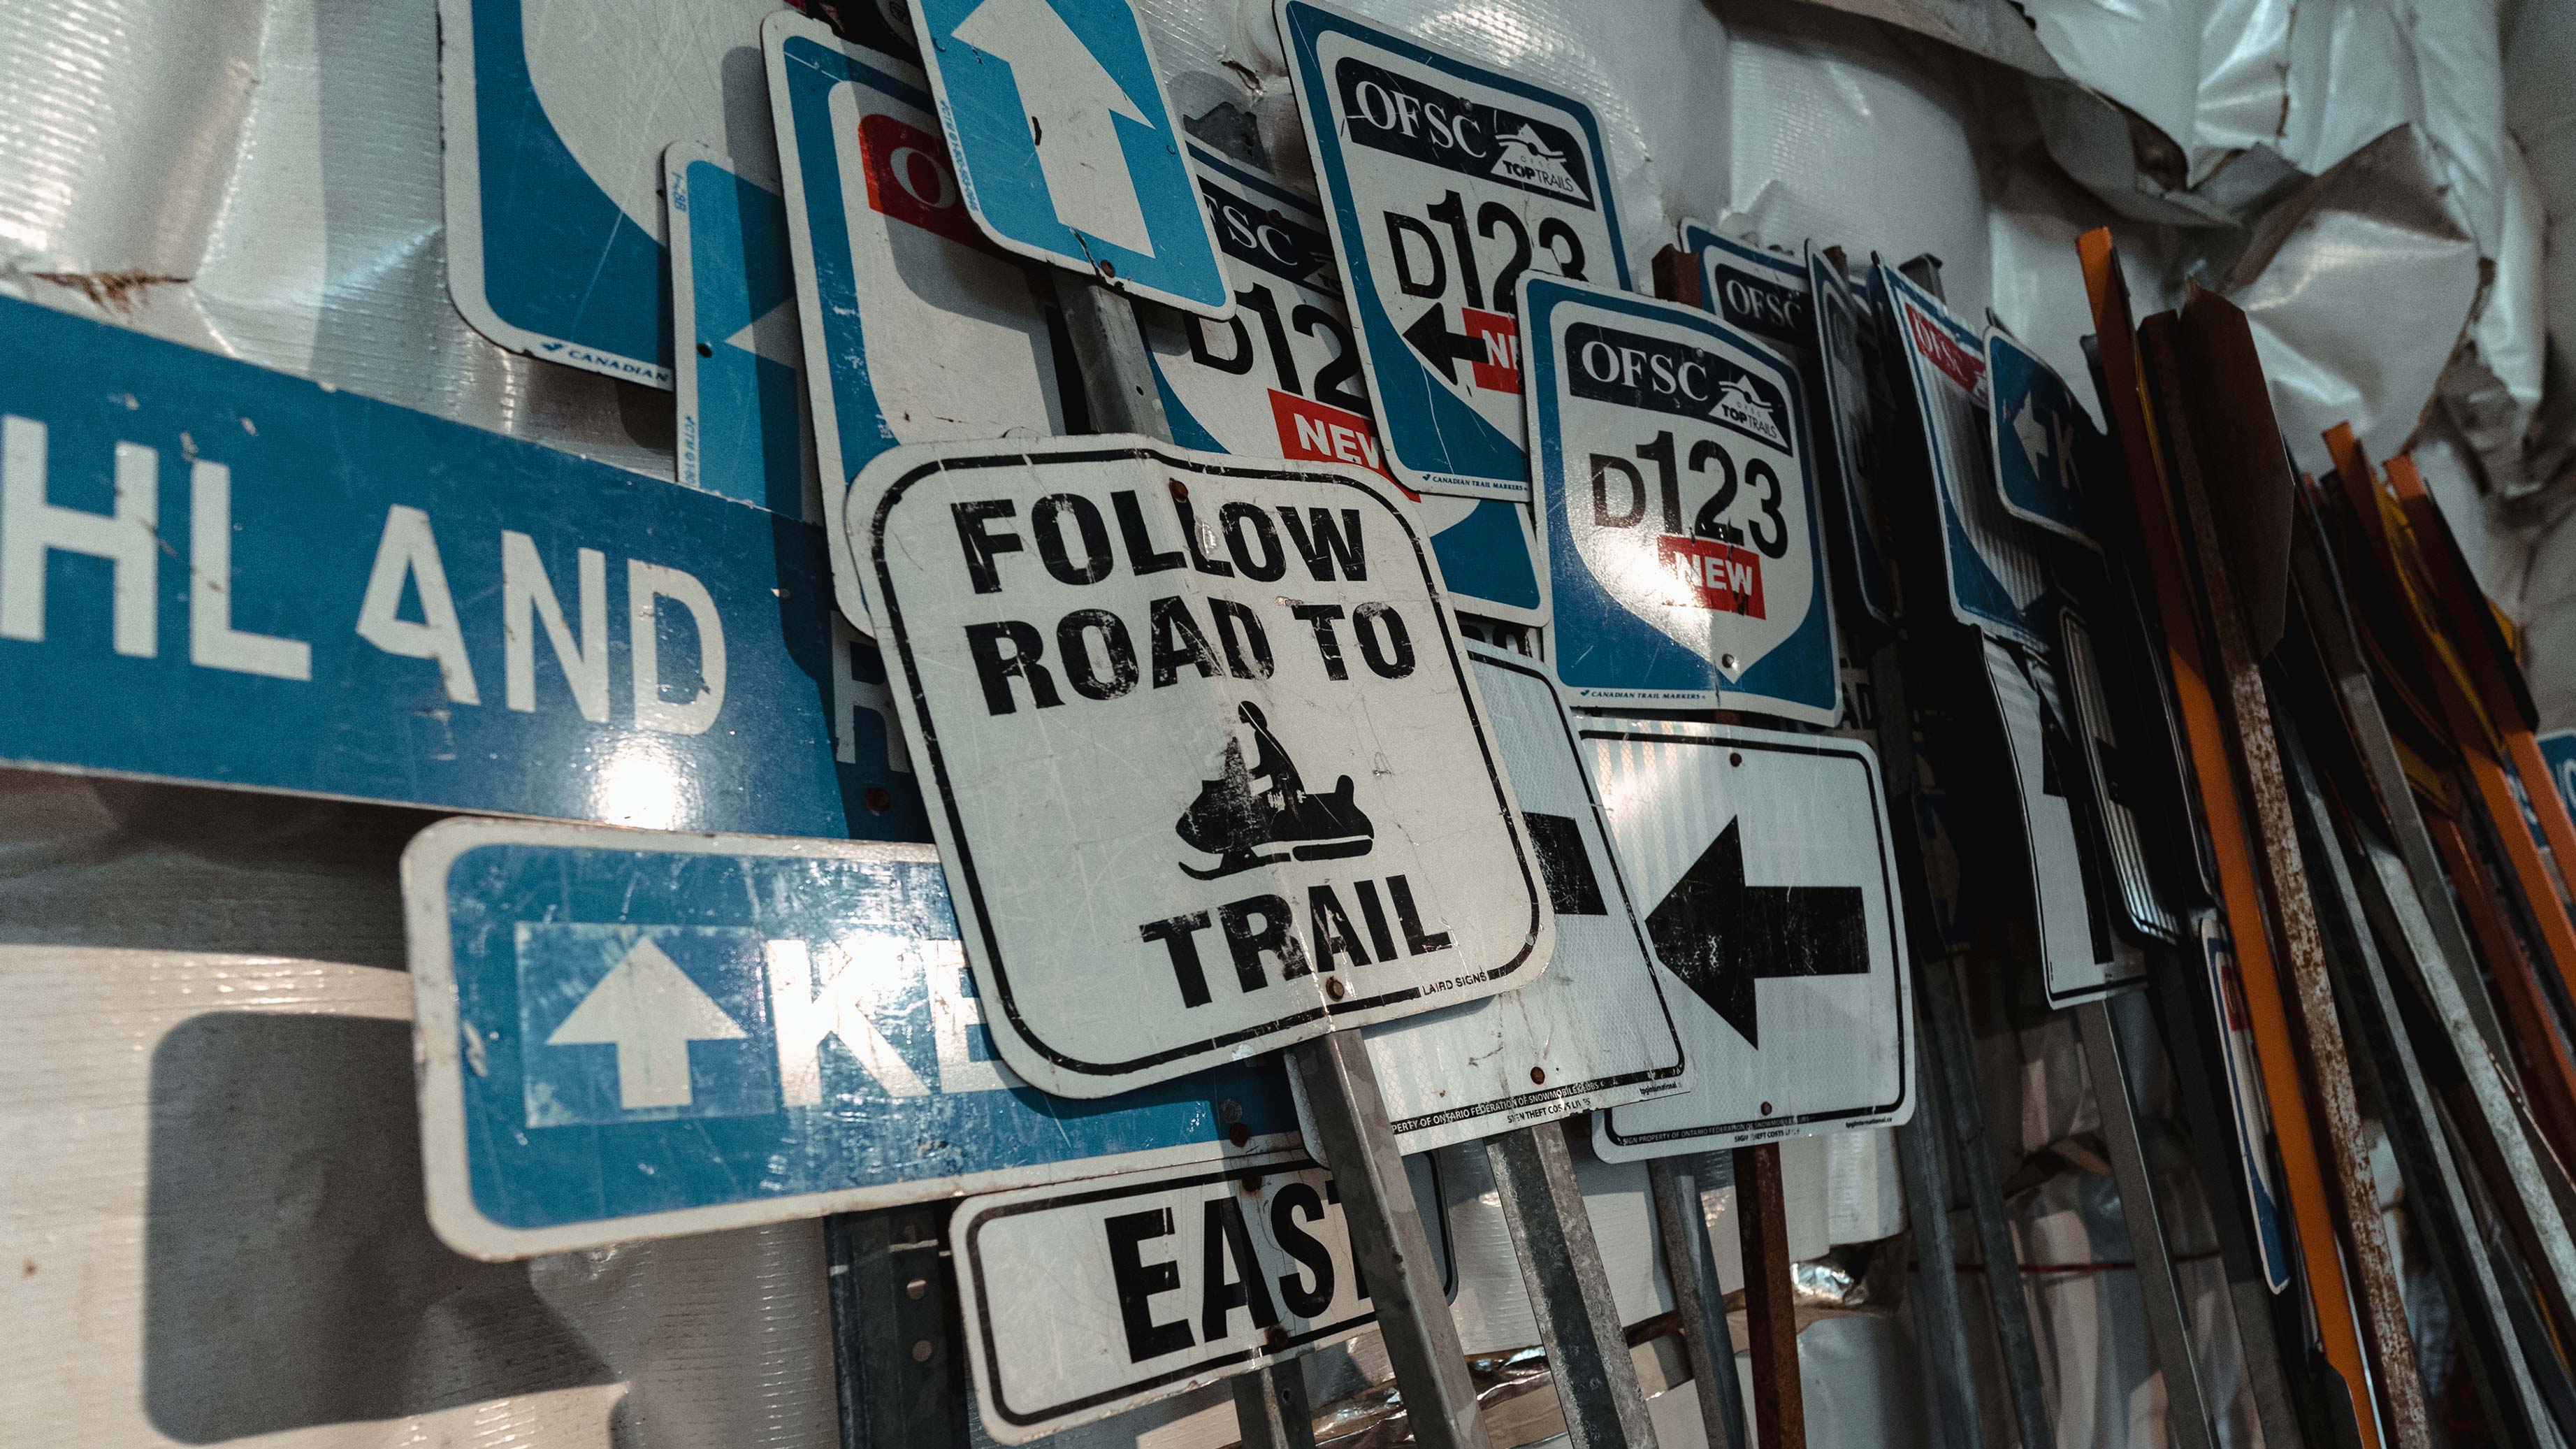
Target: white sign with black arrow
[
  {"x": 1777, "y": 919},
  {"x": 1207, "y": 768}
]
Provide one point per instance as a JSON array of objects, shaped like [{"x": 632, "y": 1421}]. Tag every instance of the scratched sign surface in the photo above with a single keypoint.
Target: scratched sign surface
[{"x": 627, "y": 1036}]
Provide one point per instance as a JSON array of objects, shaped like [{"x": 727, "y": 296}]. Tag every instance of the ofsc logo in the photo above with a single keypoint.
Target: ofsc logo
[
  {"x": 1419, "y": 121},
  {"x": 910, "y": 180}
]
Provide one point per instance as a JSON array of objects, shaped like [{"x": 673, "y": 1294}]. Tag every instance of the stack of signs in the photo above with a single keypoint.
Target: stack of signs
[
  {"x": 630, "y": 1036},
  {"x": 1281, "y": 379},
  {"x": 1684, "y": 550},
  {"x": 916, "y": 329},
  {"x": 1997, "y": 585},
  {"x": 1448, "y": 183},
  {"x": 1211, "y": 775},
  {"x": 554, "y": 163}
]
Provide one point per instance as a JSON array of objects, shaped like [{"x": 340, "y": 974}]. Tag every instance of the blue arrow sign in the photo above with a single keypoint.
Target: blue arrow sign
[
  {"x": 2044, "y": 445},
  {"x": 628, "y": 1035},
  {"x": 216, "y": 573},
  {"x": 1067, "y": 149}
]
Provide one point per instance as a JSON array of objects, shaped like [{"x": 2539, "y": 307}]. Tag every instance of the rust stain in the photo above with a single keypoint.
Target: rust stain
[{"x": 117, "y": 290}]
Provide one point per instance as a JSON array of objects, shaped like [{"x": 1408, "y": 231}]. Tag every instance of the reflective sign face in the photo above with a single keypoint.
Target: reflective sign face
[
  {"x": 2071, "y": 877},
  {"x": 916, "y": 329},
  {"x": 1449, "y": 182},
  {"x": 739, "y": 374},
  {"x": 1846, "y": 334},
  {"x": 2043, "y": 443},
  {"x": 1068, "y": 151},
  {"x": 1211, "y": 775},
  {"x": 628, "y": 1035},
  {"x": 1682, "y": 540},
  {"x": 1762, "y": 864}
]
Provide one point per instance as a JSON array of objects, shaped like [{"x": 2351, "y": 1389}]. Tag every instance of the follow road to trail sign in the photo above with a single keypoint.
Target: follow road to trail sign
[
  {"x": 1676, "y": 500},
  {"x": 1593, "y": 1032},
  {"x": 216, "y": 573},
  {"x": 1211, "y": 776},
  {"x": 1067, "y": 149},
  {"x": 555, "y": 115},
  {"x": 1448, "y": 182},
  {"x": 916, "y": 329},
  {"x": 1777, "y": 917},
  {"x": 1082, "y": 1302},
  {"x": 628, "y": 1035},
  {"x": 1281, "y": 379}
]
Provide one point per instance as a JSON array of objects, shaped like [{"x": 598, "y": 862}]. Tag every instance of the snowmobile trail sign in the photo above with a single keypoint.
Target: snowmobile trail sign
[{"x": 1212, "y": 777}]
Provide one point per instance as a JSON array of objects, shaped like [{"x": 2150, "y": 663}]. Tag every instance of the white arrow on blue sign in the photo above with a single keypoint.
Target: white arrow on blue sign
[
  {"x": 1067, "y": 149},
  {"x": 628, "y": 1035}
]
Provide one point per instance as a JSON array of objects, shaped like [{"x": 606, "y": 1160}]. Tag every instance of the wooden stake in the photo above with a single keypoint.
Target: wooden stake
[{"x": 1770, "y": 1302}]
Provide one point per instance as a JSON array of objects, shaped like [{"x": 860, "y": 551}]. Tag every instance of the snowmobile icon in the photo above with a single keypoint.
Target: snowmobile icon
[{"x": 1239, "y": 821}]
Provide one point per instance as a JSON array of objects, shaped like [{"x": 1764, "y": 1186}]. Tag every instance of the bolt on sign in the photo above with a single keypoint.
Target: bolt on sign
[
  {"x": 626, "y": 1035},
  {"x": 1211, "y": 774},
  {"x": 1684, "y": 551},
  {"x": 1449, "y": 182}
]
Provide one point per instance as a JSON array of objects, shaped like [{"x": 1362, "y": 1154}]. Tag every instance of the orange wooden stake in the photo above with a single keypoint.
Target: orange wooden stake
[{"x": 2303, "y": 1168}]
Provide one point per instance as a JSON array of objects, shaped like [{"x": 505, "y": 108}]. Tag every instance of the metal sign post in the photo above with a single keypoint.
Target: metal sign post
[
  {"x": 1596, "y": 1380},
  {"x": 1698, "y": 1301},
  {"x": 1394, "y": 1252},
  {"x": 1770, "y": 1301}
]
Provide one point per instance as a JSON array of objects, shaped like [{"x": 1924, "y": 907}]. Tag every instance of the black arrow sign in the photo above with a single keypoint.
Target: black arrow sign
[
  {"x": 1430, "y": 336},
  {"x": 1720, "y": 936}
]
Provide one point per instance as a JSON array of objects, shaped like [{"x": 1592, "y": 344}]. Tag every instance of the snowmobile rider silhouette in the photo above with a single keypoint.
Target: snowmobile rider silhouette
[{"x": 1238, "y": 821}]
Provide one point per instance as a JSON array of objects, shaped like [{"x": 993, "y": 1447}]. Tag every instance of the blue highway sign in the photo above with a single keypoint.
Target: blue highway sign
[
  {"x": 628, "y": 1035},
  {"x": 215, "y": 573},
  {"x": 1067, "y": 149},
  {"x": 2044, "y": 445}
]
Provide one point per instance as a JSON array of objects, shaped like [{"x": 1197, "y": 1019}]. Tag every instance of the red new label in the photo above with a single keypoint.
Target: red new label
[
  {"x": 1935, "y": 343},
  {"x": 1713, "y": 575},
  {"x": 1501, "y": 369},
  {"x": 909, "y": 179},
  {"x": 1323, "y": 433}
]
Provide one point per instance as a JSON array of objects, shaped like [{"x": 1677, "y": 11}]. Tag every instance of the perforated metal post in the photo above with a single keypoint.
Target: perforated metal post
[
  {"x": 895, "y": 1340},
  {"x": 1587, "y": 1353}
]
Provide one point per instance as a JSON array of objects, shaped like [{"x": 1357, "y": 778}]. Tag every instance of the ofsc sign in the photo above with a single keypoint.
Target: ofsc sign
[
  {"x": 1683, "y": 545},
  {"x": 1212, "y": 775}
]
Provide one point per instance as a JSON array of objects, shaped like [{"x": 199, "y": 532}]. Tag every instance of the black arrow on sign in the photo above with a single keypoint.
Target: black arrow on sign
[
  {"x": 1720, "y": 936},
  {"x": 1430, "y": 336}
]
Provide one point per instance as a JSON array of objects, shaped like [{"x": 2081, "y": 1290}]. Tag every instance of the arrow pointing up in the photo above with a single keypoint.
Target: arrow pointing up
[
  {"x": 649, "y": 1009},
  {"x": 1720, "y": 936},
  {"x": 1070, "y": 98}
]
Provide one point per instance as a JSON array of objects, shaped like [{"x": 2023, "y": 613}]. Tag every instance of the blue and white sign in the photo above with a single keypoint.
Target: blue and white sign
[
  {"x": 216, "y": 573},
  {"x": 1678, "y": 509},
  {"x": 1280, "y": 379},
  {"x": 1995, "y": 578},
  {"x": 916, "y": 329},
  {"x": 1846, "y": 341},
  {"x": 629, "y": 1035},
  {"x": 2043, "y": 441},
  {"x": 556, "y": 113},
  {"x": 1762, "y": 294},
  {"x": 1067, "y": 149},
  {"x": 1448, "y": 182},
  {"x": 2558, "y": 750},
  {"x": 744, "y": 430}
]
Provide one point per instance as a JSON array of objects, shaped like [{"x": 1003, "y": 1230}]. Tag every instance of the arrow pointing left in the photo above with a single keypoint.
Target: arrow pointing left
[
  {"x": 649, "y": 1009},
  {"x": 1722, "y": 937}
]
